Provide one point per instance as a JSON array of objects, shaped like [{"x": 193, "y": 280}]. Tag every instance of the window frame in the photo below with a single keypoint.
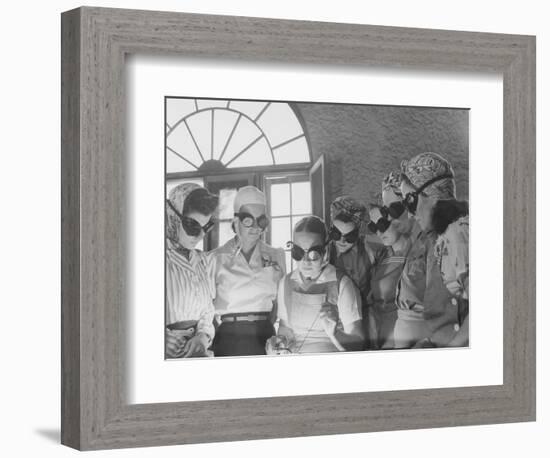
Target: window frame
[
  {"x": 278, "y": 178},
  {"x": 214, "y": 171}
]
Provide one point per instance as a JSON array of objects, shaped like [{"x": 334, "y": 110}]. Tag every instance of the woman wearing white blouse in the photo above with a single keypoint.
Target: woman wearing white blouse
[{"x": 247, "y": 271}]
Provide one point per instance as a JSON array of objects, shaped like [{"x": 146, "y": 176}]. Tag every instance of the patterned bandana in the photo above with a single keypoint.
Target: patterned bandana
[
  {"x": 177, "y": 197},
  {"x": 392, "y": 182},
  {"x": 348, "y": 206},
  {"x": 426, "y": 166}
]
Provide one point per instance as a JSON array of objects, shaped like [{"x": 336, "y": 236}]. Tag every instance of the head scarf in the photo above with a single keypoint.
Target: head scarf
[
  {"x": 392, "y": 182},
  {"x": 426, "y": 166},
  {"x": 350, "y": 207},
  {"x": 177, "y": 197}
]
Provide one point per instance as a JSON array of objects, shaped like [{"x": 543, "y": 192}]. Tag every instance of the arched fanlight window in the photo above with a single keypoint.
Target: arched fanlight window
[{"x": 208, "y": 135}]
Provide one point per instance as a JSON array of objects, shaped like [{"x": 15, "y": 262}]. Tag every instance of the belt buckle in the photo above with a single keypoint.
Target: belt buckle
[{"x": 250, "y": 317}]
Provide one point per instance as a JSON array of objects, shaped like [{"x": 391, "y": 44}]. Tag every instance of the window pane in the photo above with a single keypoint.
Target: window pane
[
  {"x": 227, "y": 197},
  {"x": 257, "y": 154},
  {"x": 301, "y": 198},
  {"x": 245, "y": 133},
  {"x": 224, "y": 122},
  {"x": 279, "y": 123},
  {"x": 211, "y": 103},
  {"x": 280, "y": 232},
  {"x": 225, "y": 232},
  {"x": 177, "y": 109},
  {"x": 200, "y": 125},
  {"x": 292, "y": 153},
  {"x": 251, "y": 109},
  {"x": 174, "y": 164},
  {"x": 181, "y": 142},
  {"x": 280, "y": 199}
]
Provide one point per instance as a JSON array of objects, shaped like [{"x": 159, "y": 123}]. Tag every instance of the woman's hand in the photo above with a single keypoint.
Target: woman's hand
[
  {"x": 196, "y": 345},
  {"x": 329, "y": 318},
  {"x": 175, "y": 343},
  {"x": 277, "y": 345}
]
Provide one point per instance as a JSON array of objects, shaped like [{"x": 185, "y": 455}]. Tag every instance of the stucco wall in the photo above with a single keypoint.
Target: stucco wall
[{"x": 362, "y": 143}]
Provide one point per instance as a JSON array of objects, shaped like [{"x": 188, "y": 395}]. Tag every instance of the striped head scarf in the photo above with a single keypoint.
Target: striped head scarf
[
  {"x": 350, "y": 207},
  {"x": 426, "y": 166}
]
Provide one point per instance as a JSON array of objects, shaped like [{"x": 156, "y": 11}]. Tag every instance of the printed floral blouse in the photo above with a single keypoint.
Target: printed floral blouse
[{"x": 451, "y": 251}]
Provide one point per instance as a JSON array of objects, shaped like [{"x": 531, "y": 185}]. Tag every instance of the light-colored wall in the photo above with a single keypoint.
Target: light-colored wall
[{"x": 364, "y": 142}]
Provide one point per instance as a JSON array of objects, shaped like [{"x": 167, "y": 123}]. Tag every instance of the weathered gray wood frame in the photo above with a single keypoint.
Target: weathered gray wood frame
[{"x": 95, "y": 41}]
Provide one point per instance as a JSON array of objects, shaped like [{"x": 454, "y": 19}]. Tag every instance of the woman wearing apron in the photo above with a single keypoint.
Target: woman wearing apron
[
  {"x": 319, "y": 307},
  {"x": 189, "y": 289},
  {"x": 428, "y": 186},
  {"x": 246, "y": 271}
]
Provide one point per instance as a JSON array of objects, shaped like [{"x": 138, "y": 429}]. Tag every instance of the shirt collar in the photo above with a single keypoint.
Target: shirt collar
[
  {"x": 176, "y": 248},
  {"x": 194, "y": 257},
  {"x": 232, "y": 247}
]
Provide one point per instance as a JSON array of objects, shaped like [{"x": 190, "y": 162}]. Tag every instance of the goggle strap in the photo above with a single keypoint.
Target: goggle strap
[
  {"x": 432, "y": 181},
  {"x": 171, "y": 205}
]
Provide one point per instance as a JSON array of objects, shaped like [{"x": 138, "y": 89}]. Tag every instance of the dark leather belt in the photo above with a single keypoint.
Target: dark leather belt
[{"x": 234, "y": 317}]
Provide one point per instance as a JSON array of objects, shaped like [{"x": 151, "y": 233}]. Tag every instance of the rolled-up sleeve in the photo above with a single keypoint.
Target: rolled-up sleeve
[{"x": 205, "y": 323}]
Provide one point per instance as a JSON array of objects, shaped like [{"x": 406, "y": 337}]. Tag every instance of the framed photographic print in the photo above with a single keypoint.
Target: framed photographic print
[{"x": 251, "y": 201}]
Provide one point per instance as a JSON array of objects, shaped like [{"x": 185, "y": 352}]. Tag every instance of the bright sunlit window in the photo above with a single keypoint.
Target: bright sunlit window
[
  {"x": 289, "y": 200},
  {"x": 206, "y": 135}
]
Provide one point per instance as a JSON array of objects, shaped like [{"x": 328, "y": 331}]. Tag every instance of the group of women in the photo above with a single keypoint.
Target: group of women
[{"x": 390, "y": 276}]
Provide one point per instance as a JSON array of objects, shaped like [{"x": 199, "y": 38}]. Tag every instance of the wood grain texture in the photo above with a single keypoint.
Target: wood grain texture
[
  {"x": 70, "y": 229},
  {"x": 95, "y": 413}
]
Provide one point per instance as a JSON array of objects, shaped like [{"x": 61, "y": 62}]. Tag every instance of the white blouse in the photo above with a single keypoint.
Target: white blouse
[{"x": 243, "y": 286}]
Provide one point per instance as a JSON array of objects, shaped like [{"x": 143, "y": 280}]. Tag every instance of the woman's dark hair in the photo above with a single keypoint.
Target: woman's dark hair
[
  {"x": 446, "y": 212},
  {"x": 344, "y": 217},
  {"x": 312, "y": 224},
  {"x": 201, "y": 201}
]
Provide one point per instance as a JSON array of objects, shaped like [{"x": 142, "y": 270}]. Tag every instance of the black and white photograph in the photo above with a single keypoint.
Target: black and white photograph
[
  {"x": 307, "y": 227},
  {"x": 242, "y": 229}
]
